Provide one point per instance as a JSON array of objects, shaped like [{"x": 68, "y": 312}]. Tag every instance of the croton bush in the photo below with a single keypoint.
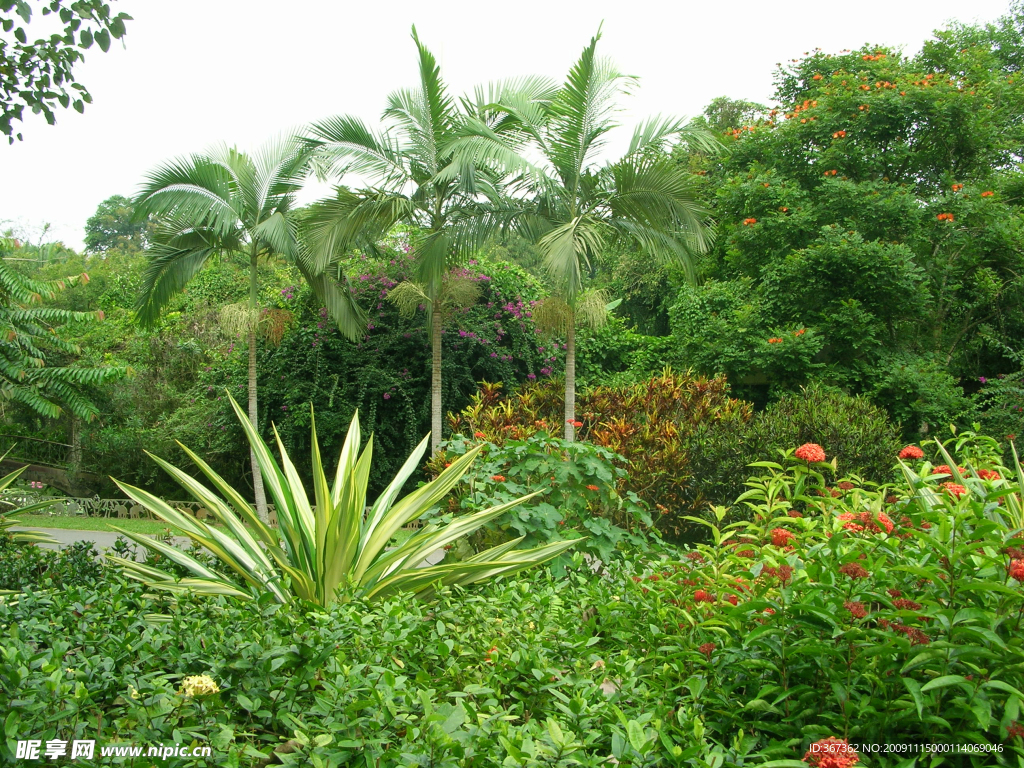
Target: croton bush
[{"x": 656, "y": 427}]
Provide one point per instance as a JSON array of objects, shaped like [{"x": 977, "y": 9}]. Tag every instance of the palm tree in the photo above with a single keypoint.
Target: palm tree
[
  {"x": 453, "y": 209},
  {"x": 228, "y": 202},
  {"x": 571, "y": 206}
]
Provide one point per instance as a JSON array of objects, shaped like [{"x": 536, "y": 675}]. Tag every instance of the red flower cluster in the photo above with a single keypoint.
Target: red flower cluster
[
  {"x": 832, "y": 753},
  {"x": 839, "y": 135},
  {"x": 781, "y": 537},
  {"x": 707, "y": 649},
  {"x": 957, "y": 187},
  {"x": 793, "y": 513},
  {"x": 732, "y": 599},
  {"x": 816, "y": 77},
  {"x": 783, "y": 573},
  {"x": 775, "y": 340},
  {"x": 833, "y": 172},
  {"x": 987, "y": 194},
  {"x": 943, "y": 469},
  {"x": 894, "y": 592},
  {"x": 802, "y": 331},
  {"x": 702, "y": 596},
  {"x": 1015, "y": 731},
  {"x": 954, "y": 490},
  {"x": 911, "y": 452},
  {"x": 1015, "y": 550},
  {"x": 498, "y": 478},
  {"x": 479, "y": 434},
  {"x": 750, "y": 221},
  {"x": 856, "y": 609},
  {"x": 945, "y": 217},
  {"x": 866, "y": 521},
  {"x": 988, "y": 474},
  {"x": 1017, "y": 570},
  {"x": 914, "y": 635},
  {"x": 810, "y": 452},
  {"x": 748, "y": 553},
  {"x": 697, "y": 557},
  {"x": 576, "y": 424},
  {"x": 593, "y": 488},
  {"x": 854, "y": 571},
  {"x": 906, "y": 605}
]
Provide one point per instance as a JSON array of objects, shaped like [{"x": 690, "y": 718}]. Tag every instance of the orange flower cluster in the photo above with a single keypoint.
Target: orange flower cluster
[
  {"x": 801, "y": 332},
  {"x": 911, "y": 452},
  {"x": 865, "y": 87},
  {"x": 988, "y": 474},
  {"x": 810, "y": 452},
  {"x": 957, "y": 187},
  {"x": 593, "y": 488},
  {"x": 1017, "y": 570},
  {"x": 833, "y": 172},
  {"x": 479, "y": 435},
  {"x": 945, "y": 217},
  {"x": 954, "y": 489},
  {"x": 783, "y": 208},
  {"x": 498, "y": 478},
  {"x": 808, "y": 104},
  {"x": 737, "y": 132},
  {"x": 876, "y": 57},
  {"x": 987, "y": 194},
  {"x": 749, "y": 222},
  {"x": 839, "y": 135},
  {"x": 816, "y": 77},
  {"x": 775, "y": 341}
]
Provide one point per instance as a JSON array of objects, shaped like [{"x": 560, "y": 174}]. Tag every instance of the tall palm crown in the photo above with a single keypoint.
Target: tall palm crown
[
  {"x": 573, "y": 206},
  {"x": 226, "y": 201},
  {"x": 409, "y": 164}
]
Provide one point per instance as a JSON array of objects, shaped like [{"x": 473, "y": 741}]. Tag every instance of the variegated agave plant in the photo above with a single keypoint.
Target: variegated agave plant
[{"x": 330, "y": 551}]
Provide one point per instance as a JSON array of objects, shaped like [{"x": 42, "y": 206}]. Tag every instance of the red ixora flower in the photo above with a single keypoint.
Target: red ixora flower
[
  {"x": 793, "y": 513},
  {"x": 954, "y": 490},
  {"x": 854, "y": 571},
  {"x": 810, "y": 452},
  {"x": 866, "y": 521},
  {"x": 1015, "y": 731},
  {"x": 906, "y": 605},
  {"x": 593, "y": 488},
  {"x": 856, "y": 609},
  {"x": 703, "y": 597},
  {"x": 945, "y": 217},
  {"x": 1017, "y": 570},
  {"x": 911, "y": 452},
  {"x": 707, "y": 649},
  {"x": 832, "y": 753},
  {"x": 781, "y": 537},
  {"x": 749, "y": 222},
  {"x": 498, "y": 478},
  {"x": 988, "y": 474},
  {"x": 943, "y": 469},
  {"x": 784, "y": 572}
]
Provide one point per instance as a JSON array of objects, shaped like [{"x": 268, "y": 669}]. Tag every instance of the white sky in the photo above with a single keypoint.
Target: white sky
[{"x": 197, "y": 72}]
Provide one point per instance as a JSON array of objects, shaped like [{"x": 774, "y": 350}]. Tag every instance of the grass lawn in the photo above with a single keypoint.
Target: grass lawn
[
  {"x": 153, "y": 527},
  {"x": 82, "y": 523}
]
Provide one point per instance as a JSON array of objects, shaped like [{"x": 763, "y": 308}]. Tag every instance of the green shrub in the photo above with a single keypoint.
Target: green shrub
[
  {"x": 24, "y": 566},
  {"x": 578, "y": 482}
]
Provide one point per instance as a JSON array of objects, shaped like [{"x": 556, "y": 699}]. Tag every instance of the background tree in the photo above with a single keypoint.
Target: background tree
[
  {"x": 38, "y": 75},
  {"x": 29, "y": 338},
  {"x": 227, "y": 202},
  {"x": 450, "y": 214},
  {"x": 576, "y": 208},
  {"x": 114, "y": 226}
]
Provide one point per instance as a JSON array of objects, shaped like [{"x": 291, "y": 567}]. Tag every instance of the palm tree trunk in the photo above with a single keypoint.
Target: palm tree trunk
[
  {"x": 257, "y": 477},
  {"x": 570, "y": 377},
  {"x": 435, "y": 382}
]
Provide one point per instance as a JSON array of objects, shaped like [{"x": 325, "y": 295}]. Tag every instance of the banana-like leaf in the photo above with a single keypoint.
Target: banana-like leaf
[{"x": 331, "y": 549}]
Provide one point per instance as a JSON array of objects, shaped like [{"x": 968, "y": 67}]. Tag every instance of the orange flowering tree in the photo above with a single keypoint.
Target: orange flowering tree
[{"x": 874, "y": 205}]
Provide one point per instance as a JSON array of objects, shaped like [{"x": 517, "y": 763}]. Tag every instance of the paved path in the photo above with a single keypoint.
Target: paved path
[{"x": 104, "y": 540}]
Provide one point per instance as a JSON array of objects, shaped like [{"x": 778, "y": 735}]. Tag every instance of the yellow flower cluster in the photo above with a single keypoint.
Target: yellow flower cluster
[{"x": 199, "y": 685}]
